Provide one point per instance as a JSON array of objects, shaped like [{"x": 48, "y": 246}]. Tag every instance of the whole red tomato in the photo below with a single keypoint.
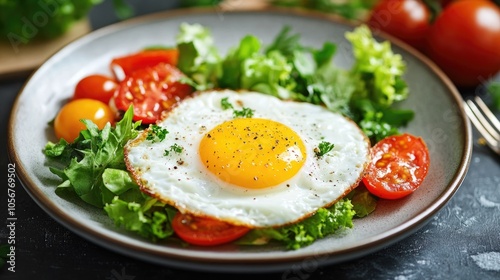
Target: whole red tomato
[
  {"x": 465, "y": 41},
  {"x": 408, "y": 20},
  {"x": 96, "y": 86}
]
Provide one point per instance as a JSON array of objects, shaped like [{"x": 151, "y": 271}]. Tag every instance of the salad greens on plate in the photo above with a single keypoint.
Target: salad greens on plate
[{"x": 93, "y": 167}]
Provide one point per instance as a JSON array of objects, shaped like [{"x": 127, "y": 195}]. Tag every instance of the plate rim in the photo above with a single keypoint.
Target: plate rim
[{"x": 257, "y": 263}]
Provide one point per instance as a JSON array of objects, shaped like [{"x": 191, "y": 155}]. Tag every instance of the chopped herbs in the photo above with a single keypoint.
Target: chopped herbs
[
  {"x": 243, "y": 113},
  {"x": 323, "y": 148},
  {"x": 156, "y": 133},
  {"x": 174, "y": 148},
  {"x": 224, "y": 103}
]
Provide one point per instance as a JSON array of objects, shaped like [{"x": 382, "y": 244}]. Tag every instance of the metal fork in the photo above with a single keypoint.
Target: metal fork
[{"x": 485, "y": 122}]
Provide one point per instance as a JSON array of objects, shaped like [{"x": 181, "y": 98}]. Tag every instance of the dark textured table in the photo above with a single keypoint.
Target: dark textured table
[{"x": 461, "y": 242}]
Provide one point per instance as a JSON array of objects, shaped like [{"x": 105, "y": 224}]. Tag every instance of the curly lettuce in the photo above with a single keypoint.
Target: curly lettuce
[{"x": 324, "y": 222}]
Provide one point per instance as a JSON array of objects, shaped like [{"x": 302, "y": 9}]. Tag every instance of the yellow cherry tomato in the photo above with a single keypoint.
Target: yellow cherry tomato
[{"x": 67, "y": 123}]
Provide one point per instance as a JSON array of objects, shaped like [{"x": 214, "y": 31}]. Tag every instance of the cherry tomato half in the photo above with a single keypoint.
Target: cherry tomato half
[
  {"x": 98, "y": 87},
  {"x": 399, "y": 165},
  {"x": 67, "y": 123},
  {"x": 465, "y": 41},
  {"x": 408, "y": 20},
  {"x": 205, "y": 231},
  {"x": 126, "y": 65},
  {"x": 151, "y": 90}
]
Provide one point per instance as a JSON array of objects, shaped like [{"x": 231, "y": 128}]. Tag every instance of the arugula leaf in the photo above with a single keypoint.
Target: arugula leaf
[
  {"x": 285, "y": 43},
  {"x": 94, "y": 151},
  {"x": 313, "y": 77},
  {"x": 324, "y": 55},
  {"x": 324, "y": 222}
]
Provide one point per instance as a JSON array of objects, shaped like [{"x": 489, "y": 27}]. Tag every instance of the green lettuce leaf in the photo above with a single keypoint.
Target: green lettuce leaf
[
  {"x": 379, "y": 68},
  {"x": 266, "y": 74},
  {"x": 232, "y": 65},
  {"x": 147, "y": 217},
  {"x": 363, "y": 202},
  {"x": 324, "y": 222},
  {"x": 199, "y": 59}
]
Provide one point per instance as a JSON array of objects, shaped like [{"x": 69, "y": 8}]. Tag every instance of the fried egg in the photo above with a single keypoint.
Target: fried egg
[{"x": 258, "y": 170}]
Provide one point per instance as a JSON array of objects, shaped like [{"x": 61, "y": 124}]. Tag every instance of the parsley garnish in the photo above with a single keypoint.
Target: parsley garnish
[
  {"x": 174, "y": 148},
  {"x": 323, "y": 148},
  {"x": 224, "y": 103},
  {"x": 243, "y": 113},
  {"x": 156, "y": 133}
]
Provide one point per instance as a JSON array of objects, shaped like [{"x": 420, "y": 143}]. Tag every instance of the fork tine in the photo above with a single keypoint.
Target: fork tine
[
  {"x": 490, "y": 130},
  {"x": 481, "y": 125},
  {"x": 493, "y": 119}
]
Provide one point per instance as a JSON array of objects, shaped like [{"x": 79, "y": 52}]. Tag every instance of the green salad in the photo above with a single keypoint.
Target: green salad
[{"x": 93, "y": 169}]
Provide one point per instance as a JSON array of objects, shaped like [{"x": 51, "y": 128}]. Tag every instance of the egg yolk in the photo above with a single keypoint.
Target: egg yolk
[{"x": 252, "y": 153}]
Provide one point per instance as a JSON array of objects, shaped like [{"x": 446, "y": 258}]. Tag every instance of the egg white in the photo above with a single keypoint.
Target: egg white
[{"x": 181, "y": 179}]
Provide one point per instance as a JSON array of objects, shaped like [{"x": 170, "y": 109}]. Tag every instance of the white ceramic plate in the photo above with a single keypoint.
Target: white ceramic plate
[{"x": 440, "y": 120}]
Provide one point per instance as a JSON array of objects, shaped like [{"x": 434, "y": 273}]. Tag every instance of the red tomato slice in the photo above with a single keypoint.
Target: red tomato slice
[
  {"x": 126, "y": 65},
  {"x": 399, "y": 165},
  {"x": 205, "y": 231},
  {"x": 151, "y": 90},
  {"x": 97, "y": 87}
]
